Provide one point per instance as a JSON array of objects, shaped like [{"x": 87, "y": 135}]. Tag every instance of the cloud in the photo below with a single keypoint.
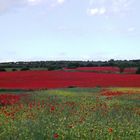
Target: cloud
[
  {"x": 92, "y": 11},
  {"x": 96, "y": 11},
  {"x": 6, "y": 5},
  {"x": 60, "y": 1},
  {"x": 34, "y": 2},
  {"x": 110, "y": 7}
]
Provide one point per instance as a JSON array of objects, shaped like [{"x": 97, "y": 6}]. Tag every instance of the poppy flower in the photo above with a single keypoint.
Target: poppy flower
[
  {"x": 52, "y": 108},
  {"x": 55, "y": 136},
  {"x": 110, "y": 130}
]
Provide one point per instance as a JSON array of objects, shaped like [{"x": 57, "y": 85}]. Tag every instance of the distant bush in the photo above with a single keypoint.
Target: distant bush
[
  {"x": 71, "y": 86},
  {"x": 73, "y": 65},
  {"x": 24, "y": 69},
  {"x": 2, "y": 69},
  {"x": 138, "y": 71},
  {"x": 50, "y": 68},
  {"x": 14, "y": 69}
]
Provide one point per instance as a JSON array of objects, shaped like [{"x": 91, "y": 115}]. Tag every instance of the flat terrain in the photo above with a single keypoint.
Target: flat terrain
[
  {"x": 63, "y": 79},
  {"x": 70, "y": 114},
  {"x": 81, "y": 104}
]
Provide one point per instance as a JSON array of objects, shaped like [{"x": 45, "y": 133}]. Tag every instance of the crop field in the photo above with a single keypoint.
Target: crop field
[
  {"x": 70, "y": 114},
  {"x": 103, "y": 70},
  {"x": 62, "y": 79},
  {"x": 69, "y": 105},
  {"x": 96, "y": 69}
]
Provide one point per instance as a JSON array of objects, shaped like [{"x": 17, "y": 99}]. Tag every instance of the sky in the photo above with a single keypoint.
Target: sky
[{"x": 32, "y": 30}]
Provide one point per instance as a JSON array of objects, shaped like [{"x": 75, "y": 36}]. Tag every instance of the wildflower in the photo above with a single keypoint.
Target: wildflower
[
  {"x": 52, "y": 108},
  {"x": 55, "y": 136},
  {"x": 110, "y": 130}
]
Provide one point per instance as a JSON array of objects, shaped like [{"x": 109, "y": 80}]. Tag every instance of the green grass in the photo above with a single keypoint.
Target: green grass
[
  {"x": 18, "y": 69},
  {"x": 14, "y": 91},
  {"x": 73, "y": 114}
]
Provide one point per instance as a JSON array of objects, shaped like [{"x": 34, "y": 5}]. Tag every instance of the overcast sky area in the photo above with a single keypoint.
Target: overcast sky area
[{"x": 69, "y": 30}]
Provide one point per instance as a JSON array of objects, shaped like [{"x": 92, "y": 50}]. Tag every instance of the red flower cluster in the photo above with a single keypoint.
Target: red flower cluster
[
  {"x": 62, "y": 79},
  {"x": 100, "y": 69},
  {"x": 130, "y": 70},
  {"x": 9, "y": 99},
  {"x": 97, "y": 69},
  {"x": 112, "y": 93}
]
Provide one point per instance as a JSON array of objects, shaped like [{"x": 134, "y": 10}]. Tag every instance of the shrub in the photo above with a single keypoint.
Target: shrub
[
  {"x": 73, "y": 65},
  {"x": 14, "y": 69},
  {"x": 50, "y": 68},
  {"x": 24, "y": 69},
  {"x": 2, "y": 69},
  {"x": 71, "y": 86}
]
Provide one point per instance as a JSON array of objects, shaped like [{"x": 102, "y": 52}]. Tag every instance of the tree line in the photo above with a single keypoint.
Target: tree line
[{"x": 55, "y": 65}]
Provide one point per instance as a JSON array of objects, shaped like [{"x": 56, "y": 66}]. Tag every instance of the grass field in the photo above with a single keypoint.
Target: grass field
[{"x": 72, "y": 114}]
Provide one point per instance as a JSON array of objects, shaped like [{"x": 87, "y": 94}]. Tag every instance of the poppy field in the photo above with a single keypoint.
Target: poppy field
[
  {"x": 131, "y": 70},
  {"x": 63, "y": 79},
  {"x": 74, "y": 114},
  {"x": 69, "y": 105}
]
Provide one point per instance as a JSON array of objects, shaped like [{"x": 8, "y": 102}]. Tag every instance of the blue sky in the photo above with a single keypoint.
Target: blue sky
[{"x": 69, "y": 30}]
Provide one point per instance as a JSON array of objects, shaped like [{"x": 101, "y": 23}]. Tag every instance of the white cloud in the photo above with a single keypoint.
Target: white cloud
[
  {"x": 6, "y": 5},
  {"x": 93, "y": 11},
  {"x": 102, "y": 11},
  {"x": 96, "y": 11},
  {"x": 34, "y": 2},
  {"x": 110, "y": 7},
  {"x": 60, "y": 1}
]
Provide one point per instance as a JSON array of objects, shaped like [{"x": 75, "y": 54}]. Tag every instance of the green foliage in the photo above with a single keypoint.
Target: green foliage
[
  {"x": 54, "y": 67},
  {"x": 14, "y": 69},
  {"x": 72, "y": 114},
  {"x": 73, "y": 65},
  {"x": 24, "y": 69},
  {"x": 69, "y": 64},
  {"x": 2, "y": 69}
]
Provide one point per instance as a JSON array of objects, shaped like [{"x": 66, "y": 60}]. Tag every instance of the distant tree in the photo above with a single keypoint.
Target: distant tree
[
  {"x": 89, "y": 64},
  {"x": 73, "y": 65},
  {"x": 111, "y": 62},
  {"x": 54, "y": 67},
  {"x": 50, "y": 68}
]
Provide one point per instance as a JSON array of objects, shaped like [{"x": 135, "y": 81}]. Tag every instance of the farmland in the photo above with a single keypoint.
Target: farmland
[
  {"x": 131, "y": 70},
  {"x": 63, "y": 79},
  {"x": 69, "y": 105},
  {"x": 74, "y": 114}
]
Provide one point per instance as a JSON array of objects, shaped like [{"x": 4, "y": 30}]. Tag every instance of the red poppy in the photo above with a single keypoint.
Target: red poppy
[
  {"x": 52, "y": 108},
  {"x": 110, "y": 130},
  {"x": 55, "y": 135}
]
